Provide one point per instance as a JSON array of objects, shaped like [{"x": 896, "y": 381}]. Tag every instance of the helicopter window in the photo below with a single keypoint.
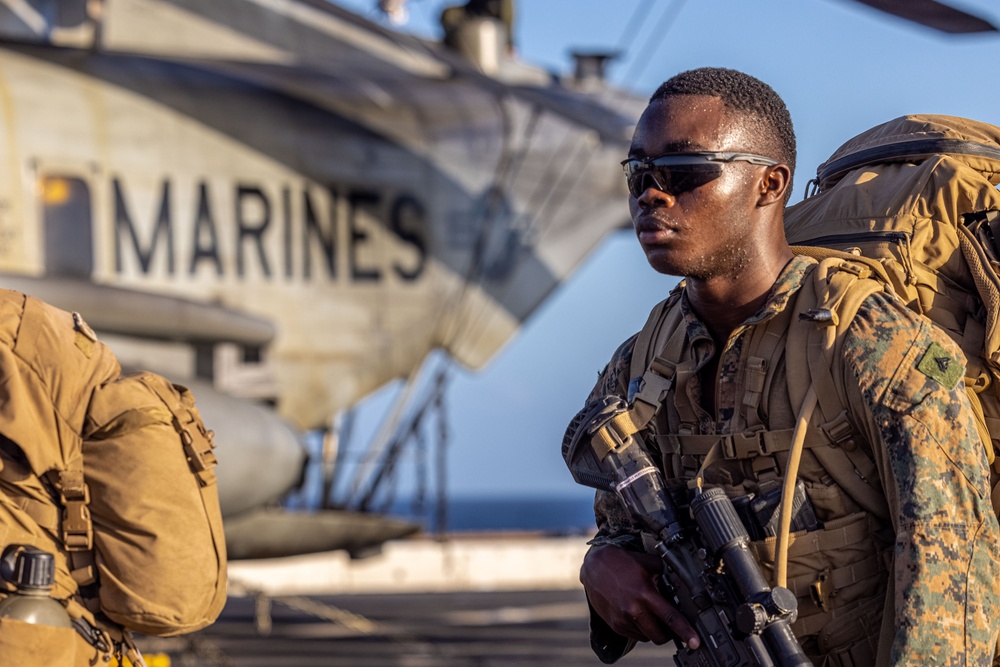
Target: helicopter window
[{"x": 66, "y": 217}]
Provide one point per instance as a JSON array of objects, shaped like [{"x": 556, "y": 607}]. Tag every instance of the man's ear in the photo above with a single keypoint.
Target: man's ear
[{"x": 773, "y": 184}]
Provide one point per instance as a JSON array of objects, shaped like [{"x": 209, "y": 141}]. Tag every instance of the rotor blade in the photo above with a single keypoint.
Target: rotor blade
[{"x": 933, "y": 14}]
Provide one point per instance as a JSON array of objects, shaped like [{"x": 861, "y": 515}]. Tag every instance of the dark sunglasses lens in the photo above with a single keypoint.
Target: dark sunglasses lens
[{"x": 675, "y": 180}]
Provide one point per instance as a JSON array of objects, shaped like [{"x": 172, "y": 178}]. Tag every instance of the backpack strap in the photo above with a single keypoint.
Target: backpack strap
[
  {"x": 77, "y": 527},
  {"x": 649, "y": 382},
  {"x": 826, "y": 306}
]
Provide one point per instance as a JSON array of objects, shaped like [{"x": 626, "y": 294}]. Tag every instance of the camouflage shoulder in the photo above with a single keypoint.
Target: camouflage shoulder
[
  {"x": 613, "y": 378},
  {"x": 899, "y": 355}
]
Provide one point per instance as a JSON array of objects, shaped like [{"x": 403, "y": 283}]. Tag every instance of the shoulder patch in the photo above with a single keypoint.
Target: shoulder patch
[
  {"x": 80, "y": 325},
  {"x": 941, "y": 365},
  {"x": 85, "y": 336}
]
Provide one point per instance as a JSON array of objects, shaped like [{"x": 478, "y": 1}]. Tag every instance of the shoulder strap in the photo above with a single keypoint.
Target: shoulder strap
[
  {"x": 651, "y": 332},
  {"x": 650, "y": 381},
  {"x": 827, "y": 303}
]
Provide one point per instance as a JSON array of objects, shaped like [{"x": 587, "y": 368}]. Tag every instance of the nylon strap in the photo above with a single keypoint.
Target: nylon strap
[
  {"x": 745, "y": 445},
  {"x": 988, "y": 286},
  {"x": 74, "y": 496},
  {"x": 201, "y": 461},
  {"x": 821, "y": 588},
  {"x": 765, "y": 349},
  {"x": 650, "y": 332}
]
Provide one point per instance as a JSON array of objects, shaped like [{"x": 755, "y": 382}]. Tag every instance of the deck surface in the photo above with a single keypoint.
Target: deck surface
[{"x": 509, "y": 629}]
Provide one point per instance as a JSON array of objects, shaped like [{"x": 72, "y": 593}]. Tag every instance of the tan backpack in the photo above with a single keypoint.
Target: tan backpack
[
  {"x": 114, "y": 475},
  {"x": 918, "y": 195}
]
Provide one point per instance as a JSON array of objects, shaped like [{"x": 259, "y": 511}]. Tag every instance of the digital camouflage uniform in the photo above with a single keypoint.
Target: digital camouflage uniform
[{"x": 936, "y": 531}]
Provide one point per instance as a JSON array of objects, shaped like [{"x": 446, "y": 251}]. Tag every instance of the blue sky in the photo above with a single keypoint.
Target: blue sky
[{"x": 841, "y": 68}]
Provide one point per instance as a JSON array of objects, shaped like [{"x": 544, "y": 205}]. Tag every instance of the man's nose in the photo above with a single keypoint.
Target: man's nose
[{"x": 652, "y": 196}]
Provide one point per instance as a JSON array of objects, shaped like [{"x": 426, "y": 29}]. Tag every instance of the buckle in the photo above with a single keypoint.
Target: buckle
[
  {"x": 855, "y": 269},
  {"x": 840, "y": 432},
  {"x": 201, "y": 463},
  {"x": 656, "y": 383},
  {"x": 746, "y": 445},
  {"x": 77, "y": 528},
  {"x": 822, "y": 590}
]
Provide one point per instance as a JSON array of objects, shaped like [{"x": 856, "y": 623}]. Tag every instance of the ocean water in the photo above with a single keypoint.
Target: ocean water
[{"x": 556, "y": 516}]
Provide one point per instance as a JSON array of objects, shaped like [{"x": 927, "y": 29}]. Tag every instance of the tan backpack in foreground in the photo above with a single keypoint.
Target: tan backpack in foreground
[
  {"x": 918, "y": 195},
  {"x": 113, "y": 475}
]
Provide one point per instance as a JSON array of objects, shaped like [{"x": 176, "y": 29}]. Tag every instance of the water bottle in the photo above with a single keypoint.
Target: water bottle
[{"x": 32, "y": 571}]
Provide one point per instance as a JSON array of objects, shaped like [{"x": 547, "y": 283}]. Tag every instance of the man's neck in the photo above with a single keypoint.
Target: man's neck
[{"x": 725, "y": 302}]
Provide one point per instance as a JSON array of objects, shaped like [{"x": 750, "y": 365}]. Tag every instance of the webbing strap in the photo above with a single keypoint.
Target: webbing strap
[
  {"x": 835, "y": 535},
  {"x": 617, "y": 430},
  {"x": 820, "y": 587},
  {"x": 682, "y": 399},
  {"x": 988, "y": 286},
  {"x": 74, "y": 496},
  {"x": 656, "y": 383},
  {"x": 812, "y": 349},
  {"x": 45, "y": 514},
  {"x": 664, "y": 316},
  {"x": 201, "y": 461},
  {"x": 764, "y": 351},
  {"x": 745, "y": 445},
  {"x": 657, "y": 378}
]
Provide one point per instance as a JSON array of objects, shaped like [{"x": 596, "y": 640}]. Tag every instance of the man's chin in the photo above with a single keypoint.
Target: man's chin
[{"x": 665, "y": 262}]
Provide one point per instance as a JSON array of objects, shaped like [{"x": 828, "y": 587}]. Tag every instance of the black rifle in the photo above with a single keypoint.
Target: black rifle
[{"x": 709, "y": 573}]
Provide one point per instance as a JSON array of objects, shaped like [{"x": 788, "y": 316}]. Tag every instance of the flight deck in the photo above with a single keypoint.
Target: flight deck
[
  {"x": 471, "y": 600},
  {"x": 457, "y": 629}
]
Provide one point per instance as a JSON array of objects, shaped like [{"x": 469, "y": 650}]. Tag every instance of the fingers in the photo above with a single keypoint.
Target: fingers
[
  {"x": 622, "y": 587},
  {"x": 652, "y": 618}
]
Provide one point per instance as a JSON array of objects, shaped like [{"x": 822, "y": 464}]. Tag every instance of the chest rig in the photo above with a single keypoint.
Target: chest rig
[
  {"x": 799, "y": 346},
  {"x": 839, "y": 569}
]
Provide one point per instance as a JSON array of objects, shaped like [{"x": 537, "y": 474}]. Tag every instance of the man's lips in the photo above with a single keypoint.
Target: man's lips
[{"x": 652, "y": 231}]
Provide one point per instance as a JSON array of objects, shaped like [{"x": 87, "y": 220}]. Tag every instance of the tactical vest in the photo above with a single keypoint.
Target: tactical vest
[{"x": 839, "y": 572}]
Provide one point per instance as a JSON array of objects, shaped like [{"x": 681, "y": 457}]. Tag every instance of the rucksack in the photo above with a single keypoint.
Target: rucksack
[
  {"x": 112, "y": 474},
  {"x": 918, "y": 196}
]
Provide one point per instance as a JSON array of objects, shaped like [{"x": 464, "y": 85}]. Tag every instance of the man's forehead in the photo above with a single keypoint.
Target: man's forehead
[{"x": 685, "y": 123}]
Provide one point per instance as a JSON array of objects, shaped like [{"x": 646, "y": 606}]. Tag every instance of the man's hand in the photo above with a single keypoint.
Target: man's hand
[{"x": 622, "y": 587}]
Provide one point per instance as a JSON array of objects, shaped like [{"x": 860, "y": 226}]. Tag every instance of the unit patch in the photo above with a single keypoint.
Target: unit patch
[
  {"x": 85, "y": 336},
  {"x": 939, "y": 364}
]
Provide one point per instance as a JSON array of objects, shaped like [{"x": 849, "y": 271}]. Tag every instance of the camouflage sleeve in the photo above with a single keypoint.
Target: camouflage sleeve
[
  {"x": 909, "y": 375},
  {"x": 613, "y": 523}
]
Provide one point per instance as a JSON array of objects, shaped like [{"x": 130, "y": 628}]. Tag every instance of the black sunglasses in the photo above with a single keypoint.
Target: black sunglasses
[{"x": 677, "y": 173}]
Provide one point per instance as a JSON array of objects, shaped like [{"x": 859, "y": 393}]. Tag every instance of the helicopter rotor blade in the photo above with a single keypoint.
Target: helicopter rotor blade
[{"x": 933, "y": 14}]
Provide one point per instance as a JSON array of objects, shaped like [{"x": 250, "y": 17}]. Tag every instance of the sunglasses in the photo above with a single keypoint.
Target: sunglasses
[{"x": 677, "y": 173}]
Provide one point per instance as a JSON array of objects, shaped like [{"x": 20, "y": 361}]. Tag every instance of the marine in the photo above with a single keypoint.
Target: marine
[{"x": 902, "y": 567}]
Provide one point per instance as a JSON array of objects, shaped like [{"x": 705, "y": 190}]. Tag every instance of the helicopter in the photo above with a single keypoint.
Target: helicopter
[{"x": 286, "y": 206}]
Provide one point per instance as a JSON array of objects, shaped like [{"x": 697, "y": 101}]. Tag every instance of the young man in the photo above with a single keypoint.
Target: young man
[{"x": 709, "y": 172}]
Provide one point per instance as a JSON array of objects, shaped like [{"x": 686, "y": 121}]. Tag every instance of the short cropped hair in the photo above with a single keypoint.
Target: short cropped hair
[{"x": 761, "y": 108}]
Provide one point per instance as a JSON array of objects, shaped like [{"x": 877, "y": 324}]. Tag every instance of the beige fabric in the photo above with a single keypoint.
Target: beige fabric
[
  {"x": 158, "y": 528},
  {"x": 936, "y": 265},
  {"x": 30, "y": 645},
  {"x": 132, "y": 509}
]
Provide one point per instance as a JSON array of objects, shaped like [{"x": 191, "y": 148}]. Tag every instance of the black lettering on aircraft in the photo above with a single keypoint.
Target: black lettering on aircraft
[
  {"x": 314, "y": 230},
  {"x": 407, "y": 222},
  {"x": 204, "y": 224},
  {"x": 246, "y": 229},
  {"x": 310, "y": 236},
  {"x": 358, "y": 236},
  {"x": 123, "y": 223},
  {"x": 286, "y": 228}
]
